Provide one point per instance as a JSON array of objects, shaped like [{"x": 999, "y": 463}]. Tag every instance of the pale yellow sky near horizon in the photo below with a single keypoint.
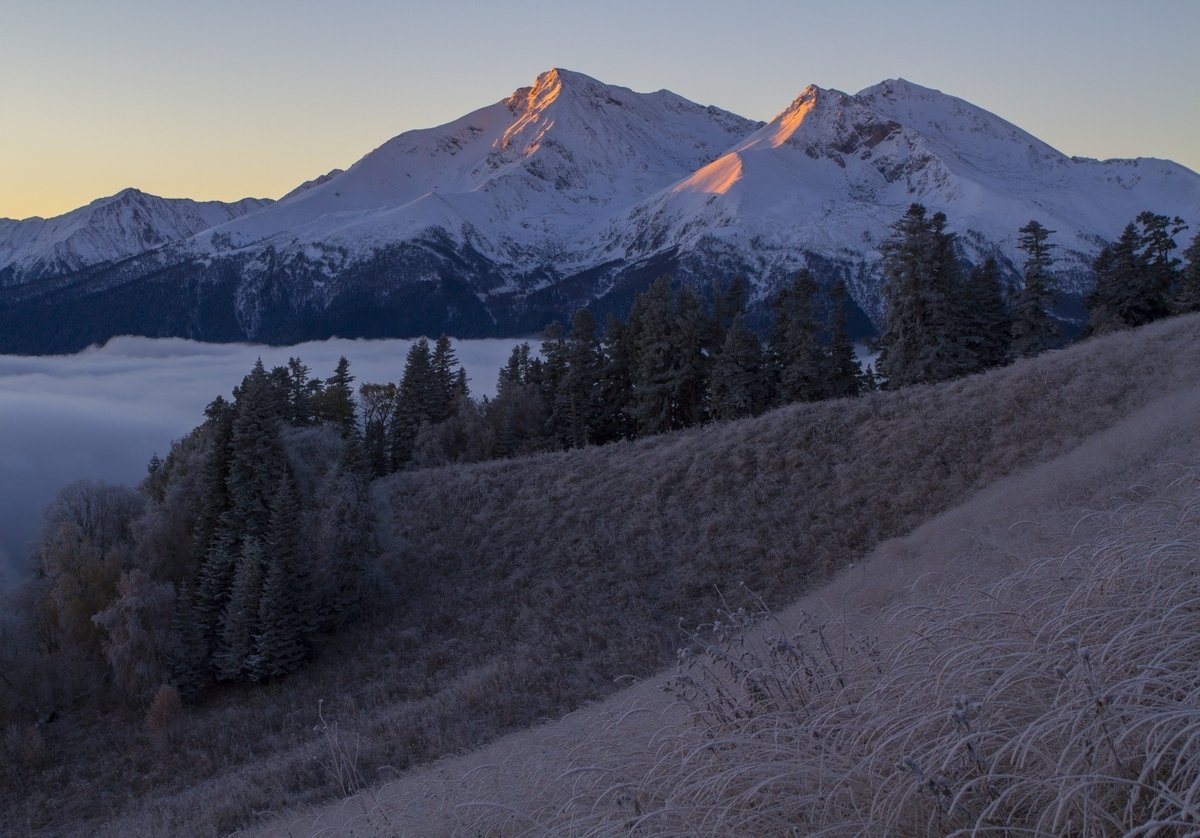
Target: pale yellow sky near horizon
[{"x": 225, "y": 100}]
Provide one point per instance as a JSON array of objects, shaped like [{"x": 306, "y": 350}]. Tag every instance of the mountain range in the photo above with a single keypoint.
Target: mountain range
[{"x": 570, "y": 192}]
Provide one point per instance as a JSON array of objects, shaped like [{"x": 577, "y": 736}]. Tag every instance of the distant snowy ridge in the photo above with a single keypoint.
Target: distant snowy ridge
[
  {"x": 108, "y": 229},
  {"x": 572, "y": 192}
]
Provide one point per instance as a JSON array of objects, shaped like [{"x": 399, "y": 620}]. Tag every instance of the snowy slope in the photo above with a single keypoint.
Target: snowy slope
[
  {"x": 107, "y": 229},
  {"x": 530, "y": 176},
  {"x": 832, "y": 172}
]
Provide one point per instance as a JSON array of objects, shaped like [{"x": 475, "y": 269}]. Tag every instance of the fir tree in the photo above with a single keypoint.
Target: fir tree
[
  {"x": 574, "y": 414},
  {"x": 1118, "y": 298},
  {"x": 256, "y": 458},
  {"x": 286, "y": 619},
  {"x": 616, "y": 419},
  {"x": 442, "y": 365},
  {"x": 337, "y": 400},
  {"x": 188, "y": 660},
  {"x": 923, "y": 338},
  {"x": 1157, "y": 235},
  {"x": 844, "y": 375},
  {"x": 653, "y": 368},
  {"x": 990, "y": 324},
  {"x": 798, "y": 367},
  {"x": 739, "y": 384},
  {"x": 1034, "y": 330},
  {"x": 415, "y": 401},
  {"x": 690, "y": 333},
  {"x": 1187, "y": 294},
  {"x": 239, "y": 622}
]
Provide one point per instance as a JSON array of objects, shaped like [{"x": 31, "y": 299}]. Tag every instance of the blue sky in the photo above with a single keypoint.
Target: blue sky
[{"x": 226, "y": 99}]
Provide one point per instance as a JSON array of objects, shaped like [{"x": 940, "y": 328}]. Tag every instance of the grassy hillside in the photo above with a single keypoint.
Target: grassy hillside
[
  {"x": 517, "y": 591},
  {"x": 803, "y": 719}
]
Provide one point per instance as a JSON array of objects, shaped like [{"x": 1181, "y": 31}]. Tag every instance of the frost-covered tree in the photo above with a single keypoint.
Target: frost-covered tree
[{"x": 136, "y": 627}]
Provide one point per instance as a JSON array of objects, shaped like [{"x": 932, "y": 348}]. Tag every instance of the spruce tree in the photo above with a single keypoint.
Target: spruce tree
[
  {"x": 256, "y": 457},
  {"x": 188, "y": 661},
  {"x": 1157, "y": 235},
  {"x": 798, "y": 367},
  {"x": 303, "y": 393},
  {"x": 616, "y": 418},
  {"x": 337, "y": 401},
  {"x": 990, "y": 324},
  {"x": 1118, "y": 298},
  {"x": 844, "y": 375},
  {"x": 690, "y": 332},
  {"x": 286, "y": 611},
  {"x": 1187, "y": 294},
  {"x": 214, "y": 493},
  {"x": 442, "y": 363},
  {"x": 239, "y": 621},
  {"x": 924, "y": 337},
  {"x": 415, "y": 399},
  {"x": 653, "y": 368},
  {"x": 1034, "y": 330},
  {"x": 575, "y": 405},
  {"x": 739, "y": 386}
]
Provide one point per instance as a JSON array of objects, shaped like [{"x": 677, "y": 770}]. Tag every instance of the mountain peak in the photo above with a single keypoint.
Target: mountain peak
[
  {"x": 899, "y": 88},
  {"x": 550, "y": 86}
]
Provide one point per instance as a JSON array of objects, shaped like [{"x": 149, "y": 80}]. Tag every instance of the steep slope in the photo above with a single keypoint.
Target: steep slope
[
  {"x": 515, "y": 591},
  {"x": 825, "y": 179},
  {"x": 106, "y": 230}
]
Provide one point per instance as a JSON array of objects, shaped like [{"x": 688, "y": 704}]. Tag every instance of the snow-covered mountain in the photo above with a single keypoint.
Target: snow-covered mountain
[
  {"x": 106, "y": 230},
  {"x": 828, "y": 176},
  {"x": 572, "y": 192}
]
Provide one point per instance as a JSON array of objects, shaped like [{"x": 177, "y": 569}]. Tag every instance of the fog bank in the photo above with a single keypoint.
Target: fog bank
[{"x": 103, "y": 412}]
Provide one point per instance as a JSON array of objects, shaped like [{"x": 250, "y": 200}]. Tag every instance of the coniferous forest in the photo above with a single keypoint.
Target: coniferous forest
[{"x": 252, "y": 546}]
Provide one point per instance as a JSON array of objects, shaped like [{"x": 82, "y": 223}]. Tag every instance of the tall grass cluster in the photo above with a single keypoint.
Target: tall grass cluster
[{"x": 1063, "y": 700}]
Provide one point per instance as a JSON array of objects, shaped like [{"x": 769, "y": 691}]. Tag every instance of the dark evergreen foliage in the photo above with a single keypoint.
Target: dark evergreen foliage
[
  {"x": 1187, "y": 293},
  {"x": 799, "y": 372},
  {"x": 739, "y": 385},
  {"x": 844, "y": 375},
  {"x": 1034, "y": 330},
  {"x": 924, "y": 336}
]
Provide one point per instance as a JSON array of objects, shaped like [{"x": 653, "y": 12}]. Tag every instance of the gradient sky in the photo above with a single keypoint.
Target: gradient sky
[{"x": 223, "y": 99}]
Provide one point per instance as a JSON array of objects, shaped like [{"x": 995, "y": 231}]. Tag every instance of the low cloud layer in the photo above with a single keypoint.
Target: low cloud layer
[{"x": 102, "y": 413}]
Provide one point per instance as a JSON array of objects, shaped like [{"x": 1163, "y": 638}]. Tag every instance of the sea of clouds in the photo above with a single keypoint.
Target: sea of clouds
[{"x": 102, "y": 413}]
